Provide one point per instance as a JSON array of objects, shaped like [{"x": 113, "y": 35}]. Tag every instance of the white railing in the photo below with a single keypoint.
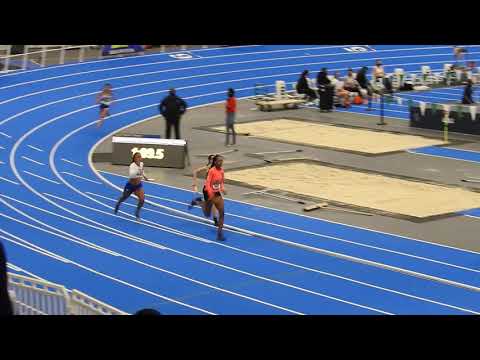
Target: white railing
[
  {"x": 56, "y": 54},
  {"x": 82, "y": 304},
  {"x": 31, "y": 296}
]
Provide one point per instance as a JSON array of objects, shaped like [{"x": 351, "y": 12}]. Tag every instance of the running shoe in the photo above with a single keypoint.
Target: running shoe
[
  {"x": 194, "y": 202},
  {"x": 220, "y": 237}
]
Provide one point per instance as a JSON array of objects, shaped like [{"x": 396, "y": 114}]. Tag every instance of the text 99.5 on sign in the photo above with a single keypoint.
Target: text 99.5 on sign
[{"x": 149, "y": 153}]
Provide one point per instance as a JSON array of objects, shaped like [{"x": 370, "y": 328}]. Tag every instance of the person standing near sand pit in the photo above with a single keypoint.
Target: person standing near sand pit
[{"x": 231, "y": 110}]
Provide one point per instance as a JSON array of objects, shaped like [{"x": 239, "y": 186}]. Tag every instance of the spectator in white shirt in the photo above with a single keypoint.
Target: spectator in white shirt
[
  {"x": 340, "y": 90},
  {"x": 350, "y": 83}
]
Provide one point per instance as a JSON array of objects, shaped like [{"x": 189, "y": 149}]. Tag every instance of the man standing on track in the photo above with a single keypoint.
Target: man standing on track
[{"x": 172, "y": 108}]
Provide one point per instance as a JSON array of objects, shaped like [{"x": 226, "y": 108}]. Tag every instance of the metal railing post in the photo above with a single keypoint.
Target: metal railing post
[
  {"x": 100, "y": 52},
  {"x": 25, "y": 57},
  {"x": 162, "y": 48},
  {"x": 62, "y": 55},
  {"x": 81, "y": 54},
  {"x": 7, "y": 59},
  {"x": 183, "y": 47},
  {"x": 44, "y": 56}
]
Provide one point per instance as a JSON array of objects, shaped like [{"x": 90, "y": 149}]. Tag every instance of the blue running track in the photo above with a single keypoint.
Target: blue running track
[{"x": 56, "y": 209}]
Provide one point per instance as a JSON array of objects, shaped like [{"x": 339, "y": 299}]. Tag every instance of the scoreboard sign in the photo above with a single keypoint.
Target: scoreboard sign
[{"x": 157, "y": 152}]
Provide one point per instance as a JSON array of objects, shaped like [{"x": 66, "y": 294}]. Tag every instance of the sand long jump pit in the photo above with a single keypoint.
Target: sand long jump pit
[
  {"x": 310, "y": 133},
  {"x": 406, "y": 198}
]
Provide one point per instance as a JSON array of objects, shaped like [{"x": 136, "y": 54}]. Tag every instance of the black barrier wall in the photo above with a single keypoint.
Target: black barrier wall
[{"x": 433, "y": 119}]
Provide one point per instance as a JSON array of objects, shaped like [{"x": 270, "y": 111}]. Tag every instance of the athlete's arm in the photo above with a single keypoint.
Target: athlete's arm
[{"x": 195, "y": 173}]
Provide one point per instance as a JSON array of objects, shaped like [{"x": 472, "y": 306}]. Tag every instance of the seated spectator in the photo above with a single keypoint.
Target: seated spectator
[
  {"x": 468, "y": 94},
  {"x": 350, "y": 83},
  {"x": 364, "y": 83},
  {"x": 379, "y": 74},
  {"x": 304, "y": 88},
  {"x": 340, "y": 90},
  {"x": 459, "y": 56},
  {"x": 378, "y": 70},
  {"x": 5, "y": 304}
]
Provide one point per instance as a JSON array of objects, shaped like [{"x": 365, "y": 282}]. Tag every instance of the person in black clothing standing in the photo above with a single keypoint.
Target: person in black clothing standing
[
  {"x": 325, "y": 89},
  {"x": 5, "y": 304},
  {"x": 172, "y": 108},
  {"x": 468, "y": 94},
  {"x": 304, "y": 88}
]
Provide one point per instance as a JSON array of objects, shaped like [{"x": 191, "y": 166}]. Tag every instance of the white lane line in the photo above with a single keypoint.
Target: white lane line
[
  {"x": 97, "y": 172},
  {"x": 225, "y": 55},
  {"x": 1, "y": 147},
  {"x": 80, "y": 177},
  {"x": 415, "y": 96},
  {"x": 19, "y": 269},
  {"x": 244, "y": 272},
  {"x": 42, "y": 251},
  {"x": 296, "y": 265},
  {"x": 113, "y": 59},
  {"x": 82, "y": 243},
  {"x": 312, "y": 248},
  {"x": 31, "y": 160},
  {"x": 202, "y": 66},
  {"x": 71, "y": 162},
  {"x": 68, "y": 235},
  {"x": 41, "y": 177},
  {"x": 1, "y": 162},
  {"x": 443, "y": 157},
  {"x": 157, "y": 92},
  {"x": 10, "y": 181},
  {"x": 6, "y": 135},
  {"x": 36, "y": 248},
  {"x": 169, "y": 215},
  {"x": 467, "y": 150},
  {"x": 134, "y": 238},
  {"x": 156, "y": 63},
  {"x": 35, "y": 148},
  {"x": 52, "y": 165},
  {"x": 256, "y": 60},
  {"x": 334, "y": 238}
]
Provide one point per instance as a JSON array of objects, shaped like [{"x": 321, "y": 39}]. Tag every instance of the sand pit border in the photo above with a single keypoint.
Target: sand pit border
[
  {"x": 451, "y": 142},
  {"x": 313, "y": 199}
]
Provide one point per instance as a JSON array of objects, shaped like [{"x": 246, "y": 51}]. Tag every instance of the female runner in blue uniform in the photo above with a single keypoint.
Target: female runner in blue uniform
[{"x": 134, "y": 184}]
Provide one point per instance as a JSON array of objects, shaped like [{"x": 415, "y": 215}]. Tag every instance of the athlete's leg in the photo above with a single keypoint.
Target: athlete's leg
[
  {"x": 219, "y": 204},
  {"x": 125, "y": 195},
  {"x": 141, "y": 200}
]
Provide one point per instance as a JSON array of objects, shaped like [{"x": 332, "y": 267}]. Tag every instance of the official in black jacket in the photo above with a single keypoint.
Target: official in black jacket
[
  {"x": 468, "y": 94},
  {"x": 172, "y": 108},
  {"x": 5, "y": 304}
]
